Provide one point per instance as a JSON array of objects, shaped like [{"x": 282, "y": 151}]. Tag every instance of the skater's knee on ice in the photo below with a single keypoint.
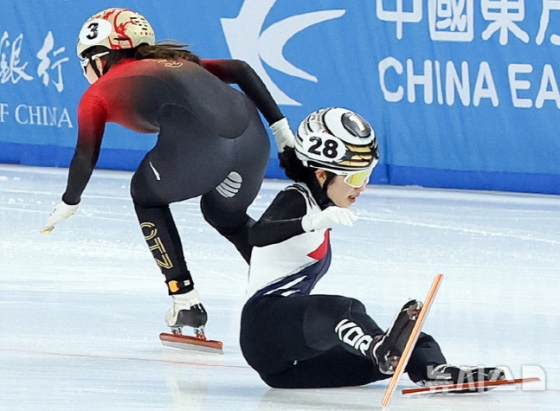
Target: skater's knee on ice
[
  {"x": 356, "y": 306},
  {"x": 426, "y": 340}
]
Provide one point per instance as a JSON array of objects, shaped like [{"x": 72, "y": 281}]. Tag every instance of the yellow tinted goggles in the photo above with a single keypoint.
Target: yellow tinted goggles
[{"x": 357, "y": 179}]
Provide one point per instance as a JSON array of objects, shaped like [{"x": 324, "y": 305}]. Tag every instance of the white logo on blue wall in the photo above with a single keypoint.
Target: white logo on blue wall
[{"x": 249, "y": 42}]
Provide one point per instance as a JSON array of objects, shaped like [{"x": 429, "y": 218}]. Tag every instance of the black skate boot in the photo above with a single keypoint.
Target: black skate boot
[
  {"x": 387, "y": 350},
  {"x": 187, "y": 311},
  {"x": 446, "y": 374}
]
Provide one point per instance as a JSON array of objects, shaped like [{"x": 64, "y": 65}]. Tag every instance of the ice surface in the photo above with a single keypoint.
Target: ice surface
[{"x": 81, "y": 308}]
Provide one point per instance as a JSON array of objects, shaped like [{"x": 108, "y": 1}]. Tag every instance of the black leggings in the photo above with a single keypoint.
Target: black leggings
[
  {"x": 189, "y": 161},
  {"x": 292, "y": 343}
]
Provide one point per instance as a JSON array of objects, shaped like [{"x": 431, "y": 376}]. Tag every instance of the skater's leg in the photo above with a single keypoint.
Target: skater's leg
[
  {"x": 162, "y": 237},
  {"x": 289, "y": 341},
  {"x": 170, "y": 173},
  {"x": 388, "y": 349},
  {"x": 425, "y": 356},
  {"x": 231, "y": 223},
  {"x": 428, "y": 366},
  {"x": 163, "y": 240},
  {"x": 225, "y": 207},
  {"x": 334, "y": 368},
  {"x": 188, "y": 160},
  {"x": 352, "y": 326}
]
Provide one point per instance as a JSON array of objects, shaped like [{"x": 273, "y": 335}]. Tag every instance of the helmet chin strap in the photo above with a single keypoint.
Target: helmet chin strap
[
  {"x": 320, "y": 193},
  {"x": 328, "y": 180},
  {"x": 93, "y": 65}
]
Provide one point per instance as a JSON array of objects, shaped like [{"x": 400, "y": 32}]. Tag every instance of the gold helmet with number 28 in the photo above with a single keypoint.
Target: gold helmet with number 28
[
  {"x": 116, "y": 29},
  {"x": 337, "y": 140}
]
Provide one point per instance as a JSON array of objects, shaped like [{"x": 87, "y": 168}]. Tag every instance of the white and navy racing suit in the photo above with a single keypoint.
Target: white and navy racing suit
[{"x": 297, "y": 340}]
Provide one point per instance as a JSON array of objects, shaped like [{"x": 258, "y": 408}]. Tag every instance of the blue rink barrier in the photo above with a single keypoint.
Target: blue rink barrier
[
  {"x": 121, "y": 159},
  {"x": 462, "y": 94}
]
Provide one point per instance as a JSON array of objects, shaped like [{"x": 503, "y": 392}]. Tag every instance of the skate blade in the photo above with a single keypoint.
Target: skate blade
[{"x": 185, "y": 342}]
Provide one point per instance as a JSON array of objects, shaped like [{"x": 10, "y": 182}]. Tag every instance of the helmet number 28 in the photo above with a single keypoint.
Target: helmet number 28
[{"x": 328, "y": 148}]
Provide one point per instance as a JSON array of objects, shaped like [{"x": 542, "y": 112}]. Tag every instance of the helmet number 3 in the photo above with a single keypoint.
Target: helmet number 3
[
  {"x": 93, "y": 31},
  {"x": 328, "y": 148}
]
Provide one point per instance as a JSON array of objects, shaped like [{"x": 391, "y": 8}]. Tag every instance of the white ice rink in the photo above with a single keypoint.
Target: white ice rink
[{"x": 81, "y": 309}]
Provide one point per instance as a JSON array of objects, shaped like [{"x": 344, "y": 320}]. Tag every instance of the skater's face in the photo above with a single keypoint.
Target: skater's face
[{"x": 340, "y": 193}]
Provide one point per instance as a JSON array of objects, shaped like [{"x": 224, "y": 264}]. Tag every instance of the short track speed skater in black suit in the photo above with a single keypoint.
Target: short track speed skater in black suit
[
  {"x": 296, "y": 339},
  {"x": 211, "y": 141}
]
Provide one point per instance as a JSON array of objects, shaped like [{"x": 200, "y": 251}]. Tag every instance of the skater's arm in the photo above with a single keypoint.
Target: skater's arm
[
  {"x": 92, "y": 115},
  {"x": 280, "y": 221},
  {"x": 240, "y": 73}
]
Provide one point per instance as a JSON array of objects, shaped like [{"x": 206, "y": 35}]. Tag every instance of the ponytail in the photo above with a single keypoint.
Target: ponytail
[{"x": 167, "y": 50}]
